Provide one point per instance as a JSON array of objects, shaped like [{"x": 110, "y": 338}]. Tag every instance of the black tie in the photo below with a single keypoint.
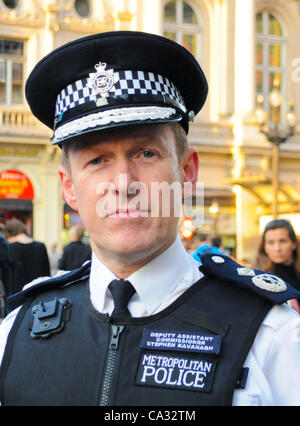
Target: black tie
[{"x": 121, "y": 291}]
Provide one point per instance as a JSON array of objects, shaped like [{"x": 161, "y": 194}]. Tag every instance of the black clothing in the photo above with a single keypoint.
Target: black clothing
[
  {"x": 5, "y": 274},
  {"x": 30, "y": 261},
  {"x": 288, "y": 273},
  {"x": 74, "y": 255},
  {"x": 96, "y": 359},
  {"x": 5, "y": 265}
]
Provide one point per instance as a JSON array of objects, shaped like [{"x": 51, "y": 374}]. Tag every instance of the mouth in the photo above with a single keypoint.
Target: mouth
[{"x": 128, "y": 214}]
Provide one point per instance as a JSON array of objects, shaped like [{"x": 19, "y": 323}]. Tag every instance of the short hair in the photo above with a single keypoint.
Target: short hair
[
  {"x": 14, "y": 227},
  {"x": 216, "y": 241},
  {"x": 77, "y": 143},
  {"x": 181, "y": 139}
]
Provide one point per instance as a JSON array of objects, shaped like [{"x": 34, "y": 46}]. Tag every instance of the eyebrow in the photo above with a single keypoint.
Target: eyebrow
[{"x": 80, "y": 144}]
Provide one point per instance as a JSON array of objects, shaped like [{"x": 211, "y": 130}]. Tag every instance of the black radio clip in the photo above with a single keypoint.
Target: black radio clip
[{"x": 49, "y": 317}]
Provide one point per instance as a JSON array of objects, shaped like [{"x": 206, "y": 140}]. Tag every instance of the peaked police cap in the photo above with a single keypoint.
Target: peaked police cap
[{"x": 115, "y": 79}]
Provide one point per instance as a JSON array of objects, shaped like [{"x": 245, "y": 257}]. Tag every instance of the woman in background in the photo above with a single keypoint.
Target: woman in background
[
  {"x": 30, "y": 258},
  {"x": 279, "y": 253}
]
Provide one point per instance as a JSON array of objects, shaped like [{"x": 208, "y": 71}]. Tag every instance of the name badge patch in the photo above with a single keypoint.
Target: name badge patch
[
  {"x": 176, "y": 372},
  {"x": 182, "y": 342}
]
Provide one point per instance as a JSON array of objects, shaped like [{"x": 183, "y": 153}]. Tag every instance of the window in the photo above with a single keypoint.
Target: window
[
  {"x": 269, "y": 55},
  {"x": 82, "y": 7},
  {"x": 182, "y": 24},
  {"x": 11, "y": 72}
]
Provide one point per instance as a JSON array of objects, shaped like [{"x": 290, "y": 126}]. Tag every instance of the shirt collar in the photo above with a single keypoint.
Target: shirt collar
[{"x": 152, "y": 282}]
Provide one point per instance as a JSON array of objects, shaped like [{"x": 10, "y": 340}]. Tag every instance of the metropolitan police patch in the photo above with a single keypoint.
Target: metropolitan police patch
[{"x": 176, "y": 372}]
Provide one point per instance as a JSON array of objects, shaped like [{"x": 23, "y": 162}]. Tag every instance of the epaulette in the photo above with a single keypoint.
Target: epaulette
[
  {"x": 263, "y": 283},
  {"x": 43, "y": 285}
]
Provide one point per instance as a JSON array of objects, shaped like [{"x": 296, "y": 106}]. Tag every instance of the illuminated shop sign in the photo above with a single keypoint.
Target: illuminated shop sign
[{"x": 15, "y": 185}]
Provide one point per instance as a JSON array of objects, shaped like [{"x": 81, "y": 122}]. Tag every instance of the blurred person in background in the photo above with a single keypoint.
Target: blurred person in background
[
  {"x": 29, "y": 257},
  {"x": 204, "y": 246},
  {"x": 279, "y": 253},
  {"x": 216, "y": 245},
  {"x": 5, "y": 270},
  {"x": 211, "y": 245},
  {"x": 76, "y": 252}
]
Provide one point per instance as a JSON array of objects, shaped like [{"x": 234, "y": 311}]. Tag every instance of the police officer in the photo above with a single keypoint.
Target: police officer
[{"x": 144, "y": 323}]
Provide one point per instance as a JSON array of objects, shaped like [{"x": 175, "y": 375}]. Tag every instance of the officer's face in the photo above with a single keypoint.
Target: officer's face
[
  {"x": 278, "y": 246},
  {"x": 114, "y": 182}
]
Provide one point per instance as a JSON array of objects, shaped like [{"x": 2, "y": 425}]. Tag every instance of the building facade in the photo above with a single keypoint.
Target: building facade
[{"x": 246, "y": 47}]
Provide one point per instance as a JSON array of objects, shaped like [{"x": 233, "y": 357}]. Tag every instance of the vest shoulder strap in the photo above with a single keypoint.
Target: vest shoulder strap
[
  {"x": 43, "y": 284},
  {"x": 265, "y": 284}
]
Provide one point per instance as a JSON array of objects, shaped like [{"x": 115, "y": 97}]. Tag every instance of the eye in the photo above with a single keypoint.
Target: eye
[
  {"x": 96, "y": 161},
  {"x": 148, "y": 154}
]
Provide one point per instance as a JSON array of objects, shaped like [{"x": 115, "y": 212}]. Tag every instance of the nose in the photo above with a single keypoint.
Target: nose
[
  {"x": 123, "y": 175},
  {"x": 277, "y": 247}
]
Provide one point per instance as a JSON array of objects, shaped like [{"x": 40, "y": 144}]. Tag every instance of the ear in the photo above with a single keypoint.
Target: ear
[
  {"x": 190, "y": 166},
  {"x": 67, "y": 187}
]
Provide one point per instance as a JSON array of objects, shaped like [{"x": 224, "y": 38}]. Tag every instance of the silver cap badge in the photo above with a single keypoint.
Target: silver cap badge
[{"x": 102, "y": 81}]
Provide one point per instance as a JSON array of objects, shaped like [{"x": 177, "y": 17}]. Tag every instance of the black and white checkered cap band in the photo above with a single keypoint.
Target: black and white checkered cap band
[{"x": 126, "y": 83}]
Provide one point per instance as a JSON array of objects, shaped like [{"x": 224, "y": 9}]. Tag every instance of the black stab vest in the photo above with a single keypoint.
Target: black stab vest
[{"x": 164, "y": 359}]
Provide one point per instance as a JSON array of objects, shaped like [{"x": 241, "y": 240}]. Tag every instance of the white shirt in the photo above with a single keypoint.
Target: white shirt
[
  {"x": 157, "y": 283},
  {"x": 274, "y": 359}
]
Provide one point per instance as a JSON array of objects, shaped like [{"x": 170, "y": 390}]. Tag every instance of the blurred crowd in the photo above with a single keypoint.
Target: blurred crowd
[{"x": 22, "y": 259}]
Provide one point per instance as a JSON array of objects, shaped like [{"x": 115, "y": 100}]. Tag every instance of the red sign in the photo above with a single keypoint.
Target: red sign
[{"x": 15, "y": 185}]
